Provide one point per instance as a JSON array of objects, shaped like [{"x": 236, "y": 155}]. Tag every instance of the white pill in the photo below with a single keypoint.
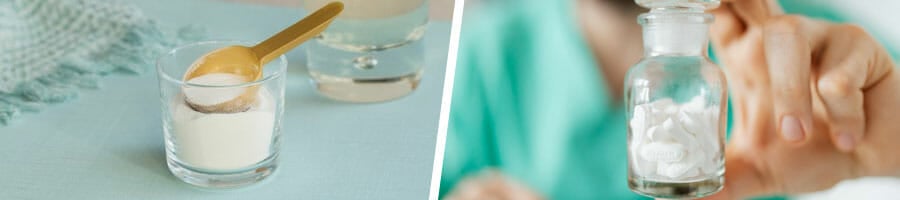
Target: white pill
[
  {"x": 712, "y": 114},
  {"x": 692, "y": 122},
  {"x": 691, "y": 173},
  {"x": 662, "y": 152},
  {"x": 663, "y": 103},
  {"x": 656, "y": 115},
  {"x": 709, "y": 162},
  {"x": 675, "y": 170},
  {"x": 661, "y": 110},
  {"x": 643, "y": 167},
  {"x": 710, "y": 140},
  {"x": 668, "y": 125},
  {"x": 662, "y": 169},
  {"x": 696, "y": 104},
  {"x": 638, "y": 121},
  {"x": 671, "y": 111},
  {"x": 709, "y": 165},
  {"x": 674, "y": 132},
  {"x": 657, "y": 133},
  {"x": 711, "y": 135},
  {"x": 665, "y": 106}
]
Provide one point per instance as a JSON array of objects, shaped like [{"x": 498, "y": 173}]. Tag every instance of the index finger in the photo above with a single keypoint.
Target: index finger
[
  {"x": 734, "y": 18},
  {"x": 789, "y": 58},
  {"x": 754, "y": 13}
]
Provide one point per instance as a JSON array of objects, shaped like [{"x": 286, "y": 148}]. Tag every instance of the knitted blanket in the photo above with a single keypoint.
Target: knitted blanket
[{"x": 51, "y": 49}]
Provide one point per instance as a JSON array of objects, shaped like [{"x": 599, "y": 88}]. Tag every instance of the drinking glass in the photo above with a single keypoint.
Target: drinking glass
[{"x": 220, "y": 150}]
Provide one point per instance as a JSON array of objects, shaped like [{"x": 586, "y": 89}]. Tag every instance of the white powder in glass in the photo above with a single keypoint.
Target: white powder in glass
[{"x": 223, "y": 141}]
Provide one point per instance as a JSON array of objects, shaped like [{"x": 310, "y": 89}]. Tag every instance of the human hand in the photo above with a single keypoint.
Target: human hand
[
  {"x": 827, "y": 89},
  {"x": 491, "y": 184}
]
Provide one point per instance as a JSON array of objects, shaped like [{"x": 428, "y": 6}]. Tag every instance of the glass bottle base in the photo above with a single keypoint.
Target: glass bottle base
[
  {"x": 365, "y": 90},
  {"x": 223, "y": 180},
  {"x": 676, "y": 190}
]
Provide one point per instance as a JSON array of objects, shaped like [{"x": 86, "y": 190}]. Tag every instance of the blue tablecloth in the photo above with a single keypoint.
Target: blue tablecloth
[{"x": 108, "y": 144}]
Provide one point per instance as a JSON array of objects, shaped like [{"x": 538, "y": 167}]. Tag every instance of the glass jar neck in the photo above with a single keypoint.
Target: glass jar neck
[{"x": 675, "y": 33}]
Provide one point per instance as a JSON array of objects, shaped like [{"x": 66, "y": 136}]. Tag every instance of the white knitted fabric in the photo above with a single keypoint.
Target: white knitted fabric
[{"x": 49, "y": 49}]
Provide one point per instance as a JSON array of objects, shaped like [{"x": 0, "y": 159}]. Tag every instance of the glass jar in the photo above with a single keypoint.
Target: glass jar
[{"x": 676, "y": 107}]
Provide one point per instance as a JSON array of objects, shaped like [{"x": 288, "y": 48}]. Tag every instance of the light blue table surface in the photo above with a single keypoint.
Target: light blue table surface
[{"x": 108, "y": 143}]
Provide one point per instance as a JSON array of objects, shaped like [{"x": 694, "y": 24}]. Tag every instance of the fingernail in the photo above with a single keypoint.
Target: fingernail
[
  {"x": 845, "y": 142},
  {"x": 791, "y": 128}
]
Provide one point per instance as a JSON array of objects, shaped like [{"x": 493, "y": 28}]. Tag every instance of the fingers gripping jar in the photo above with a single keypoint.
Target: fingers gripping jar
[{"x": 676, "y": 105}]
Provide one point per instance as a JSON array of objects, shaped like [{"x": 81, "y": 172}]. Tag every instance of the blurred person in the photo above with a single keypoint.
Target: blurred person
[{"x": 537, "y": 106}]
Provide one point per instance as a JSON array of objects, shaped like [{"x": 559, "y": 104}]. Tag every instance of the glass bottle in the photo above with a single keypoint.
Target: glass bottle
[
  {"x": 676, "y": 105},
  {"x": 371, "y": 52}
]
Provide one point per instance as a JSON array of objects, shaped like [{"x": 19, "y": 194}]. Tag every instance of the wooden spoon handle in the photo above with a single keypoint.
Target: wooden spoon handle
[{"x": 296, "y": 34}]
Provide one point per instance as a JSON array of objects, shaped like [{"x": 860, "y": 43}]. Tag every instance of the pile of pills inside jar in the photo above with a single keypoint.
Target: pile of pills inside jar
[{"x": 675, "y": 141}]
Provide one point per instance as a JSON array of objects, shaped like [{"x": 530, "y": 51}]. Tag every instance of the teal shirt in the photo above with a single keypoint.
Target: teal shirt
[{"x": 530, "y": 101}]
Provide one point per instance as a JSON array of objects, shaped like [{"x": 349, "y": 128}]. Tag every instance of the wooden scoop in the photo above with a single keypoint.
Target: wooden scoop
[{"x": 247, "y": 62}]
